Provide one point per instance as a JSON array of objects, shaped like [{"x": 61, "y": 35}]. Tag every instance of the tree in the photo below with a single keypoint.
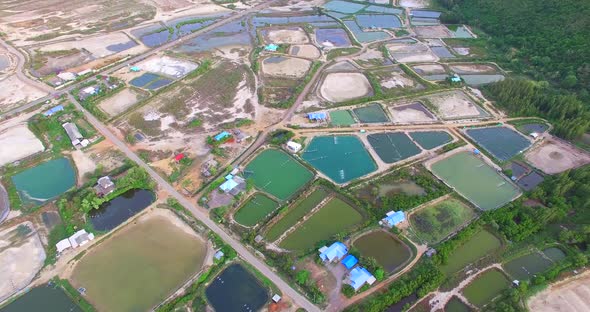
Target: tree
[{"x": 302, "y": 277}]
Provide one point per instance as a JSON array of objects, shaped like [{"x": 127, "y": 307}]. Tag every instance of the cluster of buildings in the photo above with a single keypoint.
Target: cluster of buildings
[
  {"x": 78, "y": 141},
  {"x": 79, "y": 238},
  {"x": 66, "y": 76},
  {"x": 393, "y": 218},
  {"x": 317, "y": 117},
  {"x": 357, "y": 275},
  {"x": 233, "y": 184}
]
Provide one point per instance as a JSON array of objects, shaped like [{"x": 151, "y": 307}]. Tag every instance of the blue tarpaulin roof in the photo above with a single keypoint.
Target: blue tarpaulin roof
[
  {"x": 135, "y": 69},
  {"x": 228, "y": 185},
  {"x": 359, "y": 276},
  {"x": 349, "y": 261},
  {"x": 271, "y": 47},
  {"x": 229, "y": 176},
  {"x": 317, "y": 116},
  {"x": 393, "y": 218},
  {"x": 221, "y": 136},
  {"x": 53, "y": 110},
  {"x": 335, "y": 252}
]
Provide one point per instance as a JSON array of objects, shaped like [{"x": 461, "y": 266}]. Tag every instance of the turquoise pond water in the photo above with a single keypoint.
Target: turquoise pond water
[
  {"x": 343, "y": 6},
  {"x": 45, "y": 181},
  {"x": 341, "y": 158},
  {"x": 364, "y": 36},
  {"x": 431, "y": 139}
]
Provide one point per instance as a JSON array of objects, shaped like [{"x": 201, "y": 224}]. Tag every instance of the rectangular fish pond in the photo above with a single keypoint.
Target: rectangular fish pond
[
  {"x": 393, "y": 146},
  {"x": 341, "y": 158},
  {"x": 322, "y": 225},
  {"x": 431, "y": 139},
  {"x": 363, "y": 36},
  {"x": 456, "y": 305},
  {"x": 45, "y": 181},
  {"x": 298, "y": 210},
  {"x": 43, "y": 298},
  {"x": 435, "y": 222},
  {"x": 140, "y": 265},
  {"x": 150, "y": 81},
  {"x": 526, "y": 266},
  {"x": 277, "y": 173},
  {"x": 389, "y": 251},
  {"x": 478, "y": 80},
  {"x": 236, "y": 289},
  {"x": 378, "y": 21},
  {"x": 332, "y": 37},
  {"x": 475, "y": 180},
  {"x": 343, "y": 6},
  {"x": 487, "y": 286},
  {"x": 372, "y": 113},
  {"x": 479, "y": 245},
  {"x": 255, "y": 210},
  {"x": 341, "y": 118},
  {"x": 113, "y": 213},
  {"x": 502, "y": 142}
]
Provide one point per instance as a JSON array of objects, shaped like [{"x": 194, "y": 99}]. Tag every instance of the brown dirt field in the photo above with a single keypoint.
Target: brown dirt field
[
  {"x": 288, "y": 67},
  {"x": 15, "y": 93},
  {"x": 571, "y": 295},
  {"x": 119, "y": 102},
  {"x": 20, "y": 139},
  {"x": 339, "y": 87},
  {"x": 439, "y": 31},
  {"x": 287, "y": 36},
  {"x": 305, "y": 50},
  {"x": 429, "y": 69},
  {"x": 411, "y": 52},
  {"x": 555, "y": 156},
  {"x": 454, "y": 104}
]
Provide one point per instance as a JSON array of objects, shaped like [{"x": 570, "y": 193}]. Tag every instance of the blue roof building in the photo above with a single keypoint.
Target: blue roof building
[
  {"x": 221, "y": 136},
  {"x": 135, "y": 69},
  {"x": 229, "y": 176},
  {"x": 333, "y": 253},
  {"x": 349, "y": 261},
  {"x": 228, "y": 185},
  {"x": 359, "y": 276},
  {"x": 53, "y": 110},
  {"x": 271, "y": 47},
  {"x": 394, "y": 218},
  {"x": 319, "y": 116}
]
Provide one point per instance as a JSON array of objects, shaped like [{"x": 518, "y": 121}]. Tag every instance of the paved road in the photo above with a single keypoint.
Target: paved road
[
  {"x": 20, "y": 64},
  {"x": 133, "y": 60},
  {"x": 297, "y": 298}
]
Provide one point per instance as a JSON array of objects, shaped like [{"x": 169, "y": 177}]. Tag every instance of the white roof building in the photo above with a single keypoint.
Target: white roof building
[
  {"x": 79, "y": 238},
  {"x": 89, "y": 90},
  {"x": 66, "y": 76},
  {"x": 293, "y": 146}
]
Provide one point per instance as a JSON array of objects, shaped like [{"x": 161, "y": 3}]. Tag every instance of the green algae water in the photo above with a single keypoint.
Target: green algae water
[{"x": 45, "y": 181}]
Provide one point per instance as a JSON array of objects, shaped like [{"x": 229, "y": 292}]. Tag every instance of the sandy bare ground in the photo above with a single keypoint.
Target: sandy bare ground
[
  {"x": 288, "y": 67},
  {"x": 96, "y": 45},
  {"x": 84, "y": 164},
  {"x": 429, "y": 69},
  {"x": 119, "y": 102},
  {"x": 414, "y": 3},
  {"x": 571, "y": 295},
  {"x": 473, "y": 69},
  {"x": 408, "y": 114},
  {"x": 555, "y": 156},
  {"x": 397, "y": 80},
  {"x": 287, "y": 36},
  {"x": 305, "y": 50},
  {"x": 417, "y": 52},
  {"x": 339, "y": 87},
  {"x": 20, "y": 139},
  {"x": 438, "y": 31},
  {"x": 21, "y": 257},
  {"x": 454, "y": 104},
  {"x": 15, "y": 92}
]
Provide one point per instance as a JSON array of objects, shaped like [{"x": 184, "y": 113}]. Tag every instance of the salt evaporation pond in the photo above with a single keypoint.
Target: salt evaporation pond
[
  {"x": 378, "y": 20},
  {"x": 45, "y": 181},
  {"x": 334, "y": 37}
]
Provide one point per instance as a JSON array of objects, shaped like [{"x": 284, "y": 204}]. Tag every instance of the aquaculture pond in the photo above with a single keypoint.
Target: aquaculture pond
[
  {"x": 478, "y": 80},
  {"x": 332, "y": 37},
  {"x": 382, "y": 9},
  {"x": 341, "y": 158},
  {"x": 343, "y": 6},
  {"x": 378, "y": 21},
  {"x": 456, "y": 305},
  {"x": 362, "y": 36},
  {"x": 530, "y": 181},
  {"x": 260, "y": 21},
  {"x": 554, "y": 253},
  {"x": 118, "y": 47},
  {"x": 425, "y": 14},
  {"x": 258, "y": 207},
  {"x": 322, "y": 225},
  {"x": 475, "y": 180},
  {"x": 372, "y": 113},
  {"x": 341, "y": 118},
  {"x": 442, "y": 52},
  {"x": 479, "y": 245},
  {"x": 269, "y": 169},
  {"x": 144, "y": 80},
  {"x": 390, "y": 252},
  {"x": 295, "y": 213},
  {"x": 140, "y": 265},
  {"x": 45, "y": 181},
  {"x": 532, "y": 128},
  {"x": 502, "y": 142},
  {"x": 236, "y": 289},
  {"x": 393, "y": 146},
  {"x": 120, "y": 209},
  {"x": 44, "y": 298},
  {"x": 399, "y": 306},
  {"x": 525, "y": 267},
  {"x": 487, "y": 286},
  {"x": 460, "y": 32},
  {"x": 431, "y": 139},
  {"x": 435, "y": 222},
  {"x": 154, "y": 36}
]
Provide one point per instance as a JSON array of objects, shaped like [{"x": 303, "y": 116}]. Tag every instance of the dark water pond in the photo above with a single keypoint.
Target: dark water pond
[
  {"x": 378, "y": 20},
  {"x": 121, "y": 46},
  {"x": 399, "y": 307},
  {"x": 44, "y": 298},
  {"x": 143, "y": 79},
  {"x": 534, "y": 127},
  {"x": 158, "y": 84},
  {"x": 442, "y": 52},
  {"x": 236, "y": 289},
  {"x": 336, "y": 37},
  {"x": 118, "y": 210}
]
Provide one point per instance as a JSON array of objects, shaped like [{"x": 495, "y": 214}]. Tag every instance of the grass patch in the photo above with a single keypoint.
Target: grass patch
[{"x": 433, "y": 223}]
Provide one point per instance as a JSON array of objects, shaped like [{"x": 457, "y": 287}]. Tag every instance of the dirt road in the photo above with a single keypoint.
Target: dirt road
[{"x": 20, "y": 72}]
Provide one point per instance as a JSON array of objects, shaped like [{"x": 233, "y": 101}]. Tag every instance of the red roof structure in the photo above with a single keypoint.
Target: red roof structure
[{"x": 179, "y": 157}]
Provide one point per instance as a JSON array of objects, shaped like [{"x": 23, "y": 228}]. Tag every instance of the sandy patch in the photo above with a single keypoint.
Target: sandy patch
[
  {"x": 16, "y": 92},
  {"x": 571, "y": 295},
  {"x": 21, "y": 257},
  {"x": 473, "y": 69},
  {"x": 411, "y": 113},
  {"x": 461, "y": 50},
  {"x": 397, "y": 80},
  {"x": 20, "y": 139},
  {"x": 84, "y": 164},
  {"x": 96, "y": 45},
  {"x": 289, "y": 67},
  {"x": 175, "y": 68},
  {"x": 555, "y": 156},
  {"x": 370, "y": 54},
  {"x": 410, "y": 52},
  {"x": 438, "y": 31},
  {"x": 287, "y": 36},
  {"x": 305, "y": 50},
  {"x": 119, "y": 102},
  {"x": 429, "y": 69},
  {"x": 455, "y": 105},
  {"x": 339, "y": 87}
]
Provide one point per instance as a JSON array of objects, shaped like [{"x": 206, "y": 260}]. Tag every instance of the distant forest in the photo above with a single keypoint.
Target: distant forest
[{"x": 544, "y": 40}]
